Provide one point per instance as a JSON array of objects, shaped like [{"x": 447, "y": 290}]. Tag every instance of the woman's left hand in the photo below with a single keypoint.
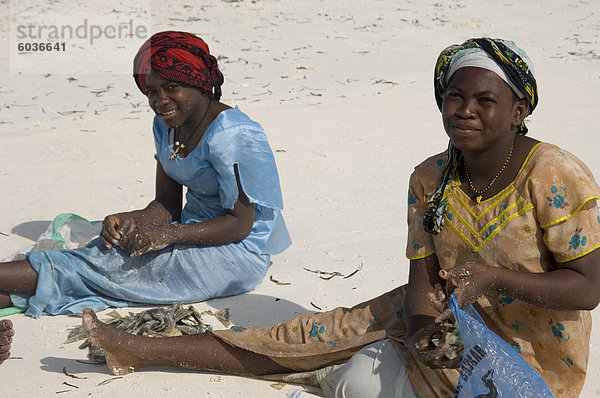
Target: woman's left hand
[
  {"x": 468, "y": 282},
  {"x": 147, "y": 238}
]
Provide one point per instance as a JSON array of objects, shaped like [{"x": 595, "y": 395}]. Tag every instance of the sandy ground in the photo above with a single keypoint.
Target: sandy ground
[{"x": 343, "y": 90}]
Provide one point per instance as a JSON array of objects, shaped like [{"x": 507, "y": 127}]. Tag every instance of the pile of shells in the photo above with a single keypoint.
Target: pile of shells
[
  {"x": 448, "y": 337},
  {"x": 175, "y": 320}
]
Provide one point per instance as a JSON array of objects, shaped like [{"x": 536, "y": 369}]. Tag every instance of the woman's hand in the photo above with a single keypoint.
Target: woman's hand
[
  {"x": 147, "y": 238},
  {"x": 468, "y": 282},
  {"x": 442, "y": 356},
  {"x": 115, "y": 227},
  {"x": 430, "y": 343},
  {"x": 125, "y": 230}
]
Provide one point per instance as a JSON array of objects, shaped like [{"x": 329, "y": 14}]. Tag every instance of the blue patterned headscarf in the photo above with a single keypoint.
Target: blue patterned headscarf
[{"x": 500, "y": 56}]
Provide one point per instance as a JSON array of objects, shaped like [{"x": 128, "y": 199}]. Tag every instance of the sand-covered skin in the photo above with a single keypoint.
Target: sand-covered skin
[{"x": 344, "y": 91}]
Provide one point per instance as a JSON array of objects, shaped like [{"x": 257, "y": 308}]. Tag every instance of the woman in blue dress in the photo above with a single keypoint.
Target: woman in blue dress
[{"x": 218, "y": 244}]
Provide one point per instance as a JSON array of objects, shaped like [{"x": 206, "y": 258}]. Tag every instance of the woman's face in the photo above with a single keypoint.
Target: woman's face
[
  {"x": 174, "y": 103},
  {"x": 479, "y": 111}
]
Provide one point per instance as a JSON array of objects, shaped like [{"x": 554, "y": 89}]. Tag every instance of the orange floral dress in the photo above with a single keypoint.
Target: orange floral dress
[{"x": 547, "y": 216}]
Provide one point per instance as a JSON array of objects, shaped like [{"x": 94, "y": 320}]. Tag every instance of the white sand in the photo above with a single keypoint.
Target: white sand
[{"x": 343, "y": 90}]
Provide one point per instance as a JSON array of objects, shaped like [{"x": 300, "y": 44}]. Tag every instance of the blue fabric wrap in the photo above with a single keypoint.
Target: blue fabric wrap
[{"x": 95, "y": 277}]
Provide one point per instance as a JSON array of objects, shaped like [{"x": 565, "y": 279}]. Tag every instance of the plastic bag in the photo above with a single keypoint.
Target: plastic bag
[
  {"x": 66, "y": 231},
  {"x": 490, "y": 366}
]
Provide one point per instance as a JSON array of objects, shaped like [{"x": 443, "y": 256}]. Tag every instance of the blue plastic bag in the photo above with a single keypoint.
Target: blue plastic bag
[{"x": 490, "y": 366}]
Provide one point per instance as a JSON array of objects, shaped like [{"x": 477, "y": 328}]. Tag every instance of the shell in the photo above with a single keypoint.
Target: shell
[
  {"x": 175, "y": 320},
  {"x": 448, "y": 337}
]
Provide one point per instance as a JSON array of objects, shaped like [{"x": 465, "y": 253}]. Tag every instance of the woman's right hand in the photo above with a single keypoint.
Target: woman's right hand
[
  {"x": 421, "y": 342},
  {"x": 115, "y": 227},
  {"x": 435, "y": 357}
]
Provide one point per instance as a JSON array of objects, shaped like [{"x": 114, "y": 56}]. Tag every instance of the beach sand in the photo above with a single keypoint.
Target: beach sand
[{"x": 344, "y": 91}]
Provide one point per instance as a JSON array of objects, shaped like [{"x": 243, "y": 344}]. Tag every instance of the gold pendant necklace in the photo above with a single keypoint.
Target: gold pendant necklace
[
  {"x": 478, "y": 192},
  {"x": 179, "y": 146}
]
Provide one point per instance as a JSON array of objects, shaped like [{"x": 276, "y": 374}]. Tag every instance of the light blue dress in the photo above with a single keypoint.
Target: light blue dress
[{"x": 96, "y": 277}]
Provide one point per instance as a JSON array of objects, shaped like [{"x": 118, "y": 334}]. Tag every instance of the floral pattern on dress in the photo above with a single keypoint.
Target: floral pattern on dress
[
  {"x": 559, "y": 331},
  {"x": 489, "y": 231},
  {"x": 315, "y": 331},
  {"x": 577, "y": 240},
  {"x": 568, "y": 361},
  {"x": 505, "y": 300},
  {"x": 516, "y": 347},
  {"x": 558, "y": 198},
  {"x": 411, "y": 197},
  {"x": 516, "y": 325},
  {"x": 415, "y": 245}
]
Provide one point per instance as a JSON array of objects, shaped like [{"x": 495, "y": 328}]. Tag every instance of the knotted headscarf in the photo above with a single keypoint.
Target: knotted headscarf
[
  {"x": 181, "y": 57},
  {"x": 512, "y": 65}
]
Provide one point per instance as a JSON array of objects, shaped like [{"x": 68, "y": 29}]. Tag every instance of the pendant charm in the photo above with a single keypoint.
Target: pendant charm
[
  {"x": 478, "y": 199},
  {"x": 178, "y": 147}
]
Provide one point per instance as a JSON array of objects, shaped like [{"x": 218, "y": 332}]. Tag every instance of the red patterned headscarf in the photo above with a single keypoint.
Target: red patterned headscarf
[{"x": 181, "y": 57}]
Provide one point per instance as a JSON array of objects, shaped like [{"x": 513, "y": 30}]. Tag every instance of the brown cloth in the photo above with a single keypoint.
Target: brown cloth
[{"x": 310, "y": 342}]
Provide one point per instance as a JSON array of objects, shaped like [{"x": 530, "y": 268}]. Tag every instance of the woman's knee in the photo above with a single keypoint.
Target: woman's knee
[{"x": 375, "y": 371}]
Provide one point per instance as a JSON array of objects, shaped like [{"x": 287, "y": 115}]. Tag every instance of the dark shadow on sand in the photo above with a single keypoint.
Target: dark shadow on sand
[
  {"x": 257, "y": 310},
  {"x": 74, "y": 369},
  {"x": 31, "y": 229}
]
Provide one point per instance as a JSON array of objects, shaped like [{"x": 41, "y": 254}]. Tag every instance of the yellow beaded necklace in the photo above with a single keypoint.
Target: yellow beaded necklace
[{"x": 478, "y": 192}]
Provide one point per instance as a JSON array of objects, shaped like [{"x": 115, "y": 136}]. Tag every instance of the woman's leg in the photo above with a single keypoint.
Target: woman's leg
[
  {"x": 5, "y": 300},
  {"x": 16, "y": 277},
  {"x": 375, "y": 371},
  {"x": 6, "y": 333},
  {"x": 126, "y": 352}
]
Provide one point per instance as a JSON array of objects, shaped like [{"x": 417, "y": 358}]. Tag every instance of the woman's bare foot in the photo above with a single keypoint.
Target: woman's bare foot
[
  {"x": 6, "y": 333},
  {"x": 116, "y": 343}
]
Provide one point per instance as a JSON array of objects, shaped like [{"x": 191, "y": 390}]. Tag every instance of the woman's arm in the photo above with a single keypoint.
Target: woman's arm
[
  {"x": 168, "y": 200},
  {"x": 232, "y": 226},
  {"x": 422, "y": 278},
  {"x": 573, "y": 286},
  {"x": 421, "y": 310}
]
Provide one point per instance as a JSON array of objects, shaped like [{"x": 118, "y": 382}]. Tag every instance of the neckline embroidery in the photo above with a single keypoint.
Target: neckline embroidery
[
  {"x": 476, "y": 239},
  {"x": 456, "y": 183}
]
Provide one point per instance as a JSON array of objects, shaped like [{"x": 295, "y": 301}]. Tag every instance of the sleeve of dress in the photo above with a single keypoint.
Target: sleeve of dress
[
  {"x": 419, "y": 243},
  {"x": 245, "y": 145},
  {"x": 565, "y": 195}
]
